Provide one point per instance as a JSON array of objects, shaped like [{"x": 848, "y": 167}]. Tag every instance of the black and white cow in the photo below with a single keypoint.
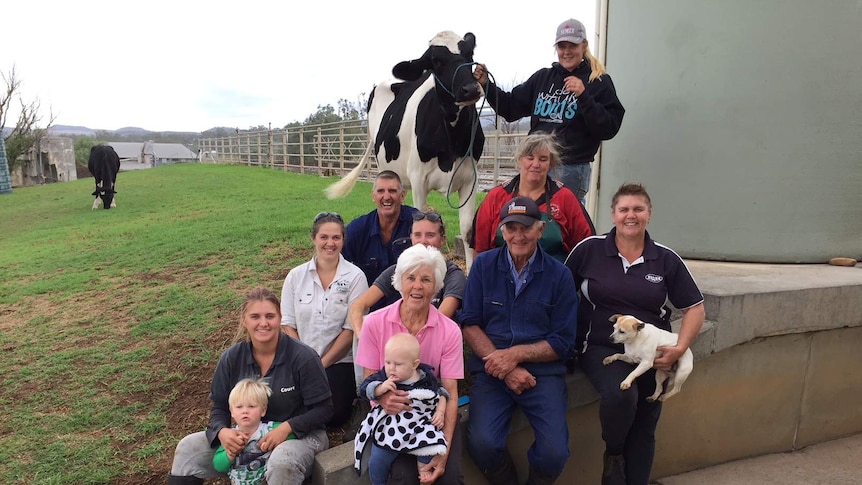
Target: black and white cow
[
  {"x": 104, "y": 165},
  {"x": 426, "y": 128}
]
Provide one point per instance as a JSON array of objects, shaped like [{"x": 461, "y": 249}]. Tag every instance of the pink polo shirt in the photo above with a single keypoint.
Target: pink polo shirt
[{"x": 440, "y": 341}]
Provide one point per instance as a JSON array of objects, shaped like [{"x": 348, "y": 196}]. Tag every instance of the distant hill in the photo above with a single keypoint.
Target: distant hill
[
  {"x": 132, "y": 131},
  {"x": 58, "y": 130},
  {"x": 128, "y": 131},
  {"x": 137, "y": 134}
]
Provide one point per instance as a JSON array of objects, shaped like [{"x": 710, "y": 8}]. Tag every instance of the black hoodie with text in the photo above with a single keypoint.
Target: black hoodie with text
[{"x": 580, "y": 123}]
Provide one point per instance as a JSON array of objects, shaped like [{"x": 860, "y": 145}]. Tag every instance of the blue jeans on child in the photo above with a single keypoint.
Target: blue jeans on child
[{"x": 380, "y": 462}]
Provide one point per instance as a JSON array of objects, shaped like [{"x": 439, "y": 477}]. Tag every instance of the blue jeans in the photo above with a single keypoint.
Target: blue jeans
[
  {"x": 491, "y": 406},
  {"x": 380, "y": 463},
  {"x": 404, "y": 468},
  {"x": 577, "y": 178}
]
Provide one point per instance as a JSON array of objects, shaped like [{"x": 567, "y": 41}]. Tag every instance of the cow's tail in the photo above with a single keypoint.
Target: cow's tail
[{"x": 345, "y": 185}]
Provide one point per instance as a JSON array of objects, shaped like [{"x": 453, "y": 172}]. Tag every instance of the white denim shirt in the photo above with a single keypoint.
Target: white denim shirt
[{"x": 319, "y": 314}]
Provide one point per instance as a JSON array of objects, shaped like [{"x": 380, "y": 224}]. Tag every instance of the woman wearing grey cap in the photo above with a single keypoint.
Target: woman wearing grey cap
[{"x": 574, "y": 99}]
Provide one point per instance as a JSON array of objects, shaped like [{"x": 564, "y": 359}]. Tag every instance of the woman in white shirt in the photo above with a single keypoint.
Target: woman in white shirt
[{"x": 314, "y": 303}]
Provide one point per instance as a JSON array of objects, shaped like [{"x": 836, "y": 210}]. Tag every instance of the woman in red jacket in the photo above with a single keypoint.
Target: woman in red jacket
[{"x": 567, "y": 221}]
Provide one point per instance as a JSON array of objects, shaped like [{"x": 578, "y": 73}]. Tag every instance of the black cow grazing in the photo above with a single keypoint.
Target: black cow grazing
[
  {"x": 104, "y": 165},
  {"x": 426, "y": 128}
]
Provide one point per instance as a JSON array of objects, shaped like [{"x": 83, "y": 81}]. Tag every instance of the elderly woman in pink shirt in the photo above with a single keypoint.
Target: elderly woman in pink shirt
[{"x": 418, "y": 276}]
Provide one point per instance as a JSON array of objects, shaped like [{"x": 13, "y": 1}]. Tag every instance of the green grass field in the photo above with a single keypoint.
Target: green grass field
[{"x": 111, "y": 321}]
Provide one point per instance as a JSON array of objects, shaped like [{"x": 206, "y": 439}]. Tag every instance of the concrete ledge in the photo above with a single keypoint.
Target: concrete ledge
[
  {"x": 763, "y": 300},
  {"x": 773, "y": 373}
]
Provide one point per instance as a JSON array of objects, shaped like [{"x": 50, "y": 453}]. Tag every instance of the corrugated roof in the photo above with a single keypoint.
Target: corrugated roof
[
  {"x": 127, "y": 149},
  {"x": 173, "y": 151},
  {"x": 163, "y": 151}
]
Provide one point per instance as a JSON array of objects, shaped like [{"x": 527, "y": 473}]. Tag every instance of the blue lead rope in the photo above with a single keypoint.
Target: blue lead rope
[{"x": 472, "y": 137}]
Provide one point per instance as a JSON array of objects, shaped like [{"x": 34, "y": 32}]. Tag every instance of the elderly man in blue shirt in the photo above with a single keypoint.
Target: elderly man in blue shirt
[{"x": 519, "y": 318}]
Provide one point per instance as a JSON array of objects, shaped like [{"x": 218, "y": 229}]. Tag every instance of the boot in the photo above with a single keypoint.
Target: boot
[
  {"x": 536, "y": 478},
  {"x": 504, "y": 474},
  {"x": 614, "y": 472},
  {"x": 177, "y": 480}
]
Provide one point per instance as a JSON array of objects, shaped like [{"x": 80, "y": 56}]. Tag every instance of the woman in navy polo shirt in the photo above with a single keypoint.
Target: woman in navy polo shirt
[{"x": 626, "y": 272}]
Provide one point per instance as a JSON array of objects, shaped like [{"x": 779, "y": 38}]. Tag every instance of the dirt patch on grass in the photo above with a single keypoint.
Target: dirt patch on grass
[
  {"x": 179, "y": 382},
  {"x": 102, "y": 319}
]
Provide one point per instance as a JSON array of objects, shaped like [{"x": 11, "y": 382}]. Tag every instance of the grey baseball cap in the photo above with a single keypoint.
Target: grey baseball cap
[{"x": 571, "y": 31}]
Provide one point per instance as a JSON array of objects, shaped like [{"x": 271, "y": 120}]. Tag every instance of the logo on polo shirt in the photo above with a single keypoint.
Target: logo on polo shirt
[
  {"x": 288, "y": 389},
  {"x": 654, "y": 278}
]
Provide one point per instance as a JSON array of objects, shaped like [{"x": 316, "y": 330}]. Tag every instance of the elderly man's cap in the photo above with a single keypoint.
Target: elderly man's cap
[
  {"x": 520, "y": 209},
  {"x": 571, "y": 31}
]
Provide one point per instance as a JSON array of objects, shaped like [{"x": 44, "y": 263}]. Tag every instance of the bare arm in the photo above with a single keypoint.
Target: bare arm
[
  {"x": 438, "y": 463},
  {"x": 500, "y": 363},
  {"x": 392, "y": 402},
  {"x": 449, "y": 306},
  {"x": 692, "y": 321},
  {"x": 385, "y": 386},
  {"x": 290, "y": 331},
  {"x": 438, "y": 419},
  {"x": 478, "y": 341},
  {"x": 339, "y": 348},
  {"x": 360, "y": 307},
  {"x": 517, "y": 379},
  {"x": 275, "y": 437},
  {"x": 233, "y": 440}
]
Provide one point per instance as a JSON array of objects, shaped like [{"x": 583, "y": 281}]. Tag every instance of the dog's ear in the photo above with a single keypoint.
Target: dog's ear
[
  {"x": 640, "y": 326},
  {"x": 614, "y": 317}
]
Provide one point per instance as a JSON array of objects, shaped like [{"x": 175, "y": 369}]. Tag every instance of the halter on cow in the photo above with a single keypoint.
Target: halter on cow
[
  {"x": 426, "y": 128},
  {"x": 104, "y": 165}
]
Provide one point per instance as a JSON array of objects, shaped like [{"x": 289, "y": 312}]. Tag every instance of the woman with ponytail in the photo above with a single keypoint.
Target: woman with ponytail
[{"x": 574, "y": 99}]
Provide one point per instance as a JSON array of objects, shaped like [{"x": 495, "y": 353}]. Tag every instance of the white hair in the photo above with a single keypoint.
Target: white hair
[{"x": 415, "y": 257}]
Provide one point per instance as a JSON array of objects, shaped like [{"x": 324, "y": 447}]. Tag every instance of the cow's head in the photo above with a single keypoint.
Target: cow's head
[
  {"x": 450, "y": 58},
  {"x": 106, "y": 194}
]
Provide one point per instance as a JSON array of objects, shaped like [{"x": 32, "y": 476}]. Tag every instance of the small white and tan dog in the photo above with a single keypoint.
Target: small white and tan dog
[{"x": 641, "y": 341}]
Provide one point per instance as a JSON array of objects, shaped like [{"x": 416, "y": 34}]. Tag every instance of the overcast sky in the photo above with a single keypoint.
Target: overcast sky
[{"x": 189, "y": 66}]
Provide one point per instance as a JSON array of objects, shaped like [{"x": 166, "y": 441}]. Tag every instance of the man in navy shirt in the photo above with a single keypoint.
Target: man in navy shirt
[{"x": 374, "y": 241}]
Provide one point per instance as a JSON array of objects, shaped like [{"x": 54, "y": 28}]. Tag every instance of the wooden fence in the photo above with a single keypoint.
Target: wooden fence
[{"x": 334, "y": 149}]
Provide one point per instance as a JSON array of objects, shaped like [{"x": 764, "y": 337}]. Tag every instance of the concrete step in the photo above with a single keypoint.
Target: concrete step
[
  {"x": 763, "y": 300},
  {"x": 836, "y": 462}
]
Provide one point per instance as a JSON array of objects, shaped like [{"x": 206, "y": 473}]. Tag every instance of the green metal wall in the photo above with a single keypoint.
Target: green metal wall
[{"x": 744, "y": 120}]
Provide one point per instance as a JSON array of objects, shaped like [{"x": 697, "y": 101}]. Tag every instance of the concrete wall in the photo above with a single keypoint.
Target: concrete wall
[
  {"x": 51, "y": 160},
  {"x": 774, "y": 371},
  {"x": 742, "y": 119},
  {"x": 769, "y": 395}
]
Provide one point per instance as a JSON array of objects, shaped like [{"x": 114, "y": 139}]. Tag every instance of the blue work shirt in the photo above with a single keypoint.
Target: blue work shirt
[
  {"x": 364, "y": 247},
  {"x": 546, "y": 308}
]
